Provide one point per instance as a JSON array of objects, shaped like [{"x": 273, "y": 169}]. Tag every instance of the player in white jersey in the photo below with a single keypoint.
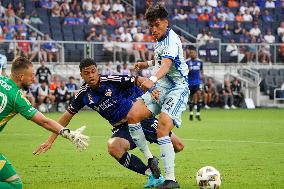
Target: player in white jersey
[
  {"x": 167, "y": 92},
  {"x": 3, "y": 63}
]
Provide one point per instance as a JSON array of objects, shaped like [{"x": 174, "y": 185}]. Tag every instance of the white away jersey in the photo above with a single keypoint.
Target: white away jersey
[
  {"x": 3, "y": 62},
  {"x": 170, "y": 47}
]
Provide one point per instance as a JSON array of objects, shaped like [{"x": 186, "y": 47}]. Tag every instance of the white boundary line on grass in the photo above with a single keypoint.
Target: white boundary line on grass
[{"x": 186, "y": 139}]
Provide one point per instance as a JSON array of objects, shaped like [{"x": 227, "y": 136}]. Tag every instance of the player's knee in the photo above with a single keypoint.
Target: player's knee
[{"x": 115, "y": 149}]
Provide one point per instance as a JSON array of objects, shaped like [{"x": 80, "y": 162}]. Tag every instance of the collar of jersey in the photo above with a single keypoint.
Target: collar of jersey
[{"x": 165, "y": 36}]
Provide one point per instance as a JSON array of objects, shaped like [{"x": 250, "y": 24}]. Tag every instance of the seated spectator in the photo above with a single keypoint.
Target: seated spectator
[
  {"x": 280, "y": 30},
  {"x": 180, "y": 15},
  {"x": 117, "y": 6},
  {"x": 55, "y": 11},
  {"x": 106, "y": 6},
  {"x": 55, "y": 82},
  {"x": 230, "y": 15},
  {"x": 269, "y": 38},
  {"x": 202, "y": 37},
  {"x": 227, "y": 95},
  {"x": 269, "y": 4},
  {"x": 226, "y": 30},
  {"x": 238, "y": 28},
  {"x": 244, "y": 8},
  {"x": 264, "y": 53},
  {"x": 237, "y": 94},
  {"x": 247, "y": 16},
  {"x": 233, "y": 3},
  {"x": 87, "y": 6},
  {"x": 254, "y": 8},
  {"x": 207, "y": 7},
  {"x": 64, "y": 8},
  {"x": 239, "y": 17},
  {"x": 69, "y": 19},
  {"x": 62, "y": 97},
  {"x": 213, "y": 23},
  {"x": 223, "y": 14},
  {"x": 10, "y": 15},
  {"x": 50, "y": 48},
  {"x": 255, "y": 31},
  {"x": 95, "y": 20},
  {"x": 281, "y": 53},
  {"x": 110, "y": 20},
  {"x": 203, "y": 16},
  {"x": 34, "y": 19},
  {"x": 251, "y": 50},
  {"x": 49, "y": 4},
  {"x": 72, "y": 86},
  {"x": 211, "y": 96},
  {"x": 44, "y": 95},
  {"x": 125, "y": 69},
  {"x": 24, "y": 46},
  {"x": 233, "y": 50},
  {"x": 266, "y": 17},
  {"x": 192, "y": 15}
]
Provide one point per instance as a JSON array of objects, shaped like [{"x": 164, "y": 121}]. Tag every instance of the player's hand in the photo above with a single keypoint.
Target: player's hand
[
  {"x": 42, "y": 148},
  {"x": 76, "y": 137},
  {"x": 140, "y": 65},
  {"x": 146, "y": 85},
  {"x": 155, "y": 94}
]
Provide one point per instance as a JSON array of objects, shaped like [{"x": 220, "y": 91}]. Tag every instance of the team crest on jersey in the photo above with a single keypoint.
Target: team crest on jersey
[
  {"x": 90, "y": 99},
  {"x": 108, "y": 92}
]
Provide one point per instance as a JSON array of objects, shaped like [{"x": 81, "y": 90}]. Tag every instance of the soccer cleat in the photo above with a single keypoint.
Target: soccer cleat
[
  {"x": 152, "y": 182},
  {"x": 168, "y": 184},
  {"x": 198, "y": 117},
  {"x": 226, "y": 107},
  {"x": 207, "y": 107},
  {"x": 191, "y": 117},
  {"x": 153, "y": 165}
]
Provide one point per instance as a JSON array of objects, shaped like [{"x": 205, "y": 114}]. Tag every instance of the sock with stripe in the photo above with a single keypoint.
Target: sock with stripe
[
  {"x": 133, "y": 163},
  {"x": 168, "y": 157},
  {"x": 139, "y": 139}
]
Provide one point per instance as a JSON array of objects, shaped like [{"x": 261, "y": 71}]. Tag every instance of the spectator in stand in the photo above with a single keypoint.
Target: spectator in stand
[
  {"x": 213, "y": 3},
  {"x": 138, "y": 47},
  {"x": 269, "y": 38},
  {"x": 254, "y": 8},
  {"x": 50, "y": 49},
  {"x": 233, "y": 3},
  {"x": 106, "y": 6},
  {"x": 125, "y": 69},
  {"x": 92, "y": 36},
  {"x": 48, "y": 4},
  {"x": 107, "y": 69},
  {"x": 227, "y": 95},
  {"x": 261, "y": 3},
  {"x": 55, "y": 11},
  {"x": 202, "y": 37},
  {"x": 211, "y": 96},
  {"x": 213, "y": 23},
  {"x": 244, "y": 7},
  {"x": 247, "y": 16},
  {"x": 10, "y": 15},
  {"x": 96, "y": 5},
  {"x": 44, "y": 96},
  {"x": 280, "y": 30},
  {"x": 34, "y": 87},
  {"x": 213, "y": 13},
  {"x": 192, "y": 15},
  {"x": 255, "y": 31},
  {"x": 62, "y": 97},
  {"x": 223, "y": 14},
  {"x": 233, "y": 50},
  {"x": 24, "y": 46},
  {"x": 269, "y": 4},
  {"x": 266, "y": 17},
  {"x": 264, "y": 53},
  {"x": 69, "y": 19},
  {"x": 237, "y": 94},
  {"x": 203, "y": 16},
  {"x": 230, "y": 15},
  {"x": 64, "y": 8},
  {"x": 43, "y": 72},
  {"x": 79, "y": 18},
  {"x": 238, "y": 28},
  {"x": 117, "y": 6},
  {"x": 26, "y": 20},
  {"x": 72, "y": 86},
  {"x": 87, "y": 6},
  {"x": 55, "y": 82},
  {"x": 257, "y": 17},
  {"x": 219, "y": 6},
  {"x": 239, "y": 17},
  {"x": 281, "y": 53},
  {"x": 20, "y": 10},
  {"x": 34, "y": 19},
  {"x": 207, "y": 7},
  {"x": 96, "y": 19}
]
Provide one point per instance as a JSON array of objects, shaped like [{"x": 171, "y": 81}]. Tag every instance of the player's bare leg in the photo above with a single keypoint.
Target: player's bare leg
[
  {"x": 139, "y": 112},
  {"x": 198, "y": 102}
]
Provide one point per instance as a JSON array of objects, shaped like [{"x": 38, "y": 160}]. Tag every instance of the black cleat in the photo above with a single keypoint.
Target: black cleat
[
  {"x": 153, "y": 165},
  {"x": 198, "y": 117},
  {"x": 168, "y": 184},
  {"x": 191, "y": 117}
]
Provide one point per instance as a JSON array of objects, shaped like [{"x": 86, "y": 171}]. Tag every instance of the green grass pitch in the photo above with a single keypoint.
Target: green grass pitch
[{"x": 246, "y": 146}]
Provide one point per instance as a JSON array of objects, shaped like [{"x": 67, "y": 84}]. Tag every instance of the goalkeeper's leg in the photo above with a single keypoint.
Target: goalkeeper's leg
[{"x": 8, "y": 176}]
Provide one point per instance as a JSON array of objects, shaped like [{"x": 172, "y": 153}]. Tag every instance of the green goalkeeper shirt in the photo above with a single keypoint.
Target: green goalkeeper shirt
[{"x": 12, "y": 101}]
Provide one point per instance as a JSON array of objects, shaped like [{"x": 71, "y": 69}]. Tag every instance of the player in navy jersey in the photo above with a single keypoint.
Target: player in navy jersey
[
  {"x": 195, "y": 76},
  {"x": 112, "y": 97}
]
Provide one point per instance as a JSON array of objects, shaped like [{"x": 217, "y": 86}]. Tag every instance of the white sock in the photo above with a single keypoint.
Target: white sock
[
  {"x": 198, "y": 113},
  {"x": 138, "y": 137},
  {"x": 168, "y": 157},
  {"x": 191, "y": 113}
]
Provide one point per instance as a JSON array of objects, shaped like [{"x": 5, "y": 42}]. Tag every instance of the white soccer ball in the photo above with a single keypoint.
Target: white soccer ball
[
  {"x": 208, "y": 178},
  {"x": 42, "y": 108}
]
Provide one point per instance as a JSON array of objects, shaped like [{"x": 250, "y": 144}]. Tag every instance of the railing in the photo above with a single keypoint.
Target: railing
[
  {"x": 278, "y": 95},
  {"x": 210, "y": 52}
]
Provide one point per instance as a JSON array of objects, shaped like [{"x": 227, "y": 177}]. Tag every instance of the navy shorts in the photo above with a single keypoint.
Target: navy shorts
[
  {"x": 194, "y": 88},
  {"x": 149, "y": 127}
]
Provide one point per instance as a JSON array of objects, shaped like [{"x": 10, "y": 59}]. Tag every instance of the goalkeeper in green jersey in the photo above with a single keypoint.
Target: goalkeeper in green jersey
[{"x": 12, "y": 102}]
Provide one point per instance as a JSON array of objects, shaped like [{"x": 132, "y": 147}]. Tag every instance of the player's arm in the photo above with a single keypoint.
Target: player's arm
[
  {"x": 124, "y": 81},
  {"x": 144, "y": 65}
]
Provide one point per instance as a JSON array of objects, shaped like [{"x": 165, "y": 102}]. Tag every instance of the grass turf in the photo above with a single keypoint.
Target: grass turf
[{"x": 246, "y": 146}]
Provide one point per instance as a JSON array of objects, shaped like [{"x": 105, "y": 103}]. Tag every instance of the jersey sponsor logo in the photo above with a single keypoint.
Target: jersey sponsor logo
[
  {"x": 108, "y": 92},
  {"x": 106, "y": 104},
  {"x": 2, "y": 163},
  {"x": 90, "y": 99},
  {"x": 4, "y": 101},
  {"x": 5, "y": 85}
]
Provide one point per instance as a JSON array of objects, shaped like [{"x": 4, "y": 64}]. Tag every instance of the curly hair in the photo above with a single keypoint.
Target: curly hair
[{"x": 155, "y": 12}]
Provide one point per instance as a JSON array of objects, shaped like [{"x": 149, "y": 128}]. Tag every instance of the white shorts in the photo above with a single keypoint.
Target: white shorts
[{"x": 172, "y": 101}]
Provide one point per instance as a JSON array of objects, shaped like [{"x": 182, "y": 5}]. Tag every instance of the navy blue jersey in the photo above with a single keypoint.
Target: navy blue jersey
[
  {"x": 195, "y": 70},
  {"x": 112, "y": 100}
]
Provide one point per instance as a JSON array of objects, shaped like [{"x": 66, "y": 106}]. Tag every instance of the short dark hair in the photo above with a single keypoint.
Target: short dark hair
[
  {"x": 155, "y": 12},
  {"x": 86, "y": 62},
  {"x": 20, "y": 63}
]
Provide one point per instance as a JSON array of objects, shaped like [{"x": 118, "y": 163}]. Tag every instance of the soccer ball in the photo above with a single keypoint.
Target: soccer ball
[
  {"x": 42, "y": 108},
  {"x": 208, "y": 178}
]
